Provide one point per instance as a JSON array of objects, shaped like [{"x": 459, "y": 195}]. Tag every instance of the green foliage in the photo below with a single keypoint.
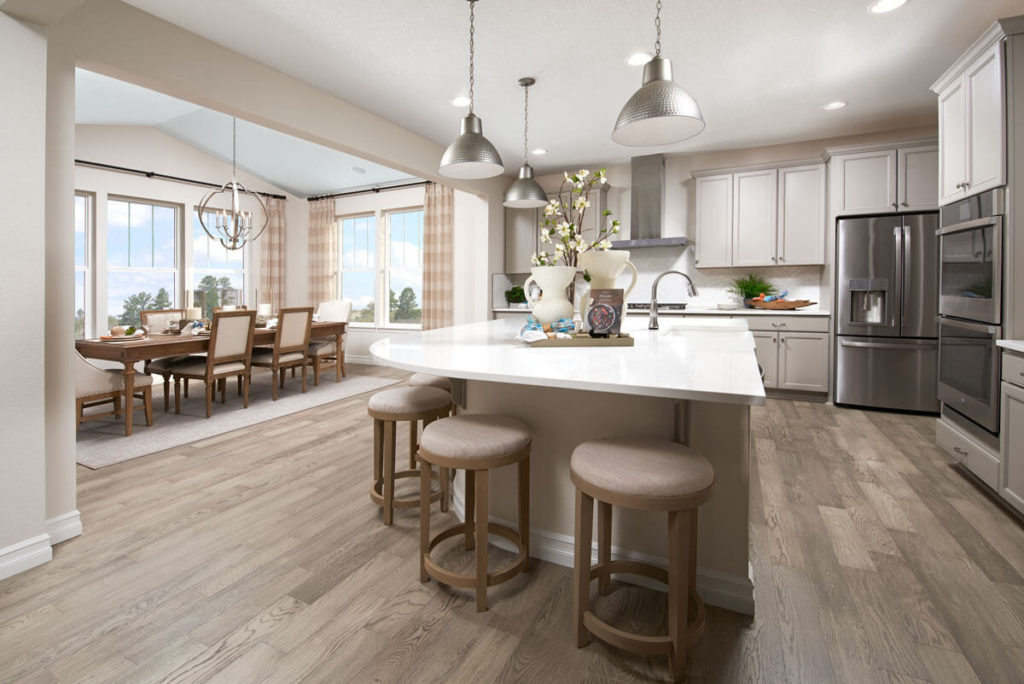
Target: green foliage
[
  {"x": 363, "y": 315},
  {"x": 515, "y": 295},
  {"x": 134, "y": 305},
  {"x": 212, "y": 292},
  {"x": 406, "y": 309},
  {"x": 162, "y": 300},
  {"x": 751, "y": 285}
]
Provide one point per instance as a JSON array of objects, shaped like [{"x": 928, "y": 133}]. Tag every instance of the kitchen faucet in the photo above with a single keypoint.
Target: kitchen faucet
[{"x": 691, "y": 290}]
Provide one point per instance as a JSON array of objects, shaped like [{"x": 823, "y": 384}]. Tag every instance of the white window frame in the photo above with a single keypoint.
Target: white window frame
[
  {"x": 385, "y": 291},
  {"x": 374, "y": 268},
  {"x": 189, "y": 265},
  {"x": 177, "y": 292},
  {"x": 86, "y": 269}
]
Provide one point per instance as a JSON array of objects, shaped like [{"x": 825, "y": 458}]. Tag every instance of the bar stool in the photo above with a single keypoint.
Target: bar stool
[
  {"x": 650, "y": 475},
  {"x": 387, "y": 408},
  {"x": 475, "y": 443},
  {"x": 425, "y": 380}
]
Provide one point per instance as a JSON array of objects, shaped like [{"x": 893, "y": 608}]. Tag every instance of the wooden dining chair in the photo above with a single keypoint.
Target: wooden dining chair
[
  {"x": 157, "y": 321},
  {"x": 95, "y": 387},
  {"x": 230, "y": 354},
  {"x": 291, "y": 345},
  {"x": 230, "y": 307},
  {"x": 324, "y": 354}
]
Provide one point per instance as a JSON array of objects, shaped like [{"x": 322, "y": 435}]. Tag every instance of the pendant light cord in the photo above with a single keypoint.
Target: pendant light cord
[
  {"x": 472, "y": 30},
  {"x": 234, "y": 147},
  {"x": 657, "y": 26},
  {"x": 526, "y": 123}
]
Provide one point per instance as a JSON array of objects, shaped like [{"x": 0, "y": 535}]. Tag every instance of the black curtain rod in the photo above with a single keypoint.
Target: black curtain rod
[
  {"x": 363, "y": 192},
  {"x": 163, "y": 176}
]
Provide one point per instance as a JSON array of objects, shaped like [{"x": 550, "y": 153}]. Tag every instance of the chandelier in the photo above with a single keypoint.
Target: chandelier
[{"x": 232, "y": 227}]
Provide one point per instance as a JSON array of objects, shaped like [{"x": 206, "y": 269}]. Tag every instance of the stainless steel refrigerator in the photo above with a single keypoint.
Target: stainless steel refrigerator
[{"x": 886, "y": 304}]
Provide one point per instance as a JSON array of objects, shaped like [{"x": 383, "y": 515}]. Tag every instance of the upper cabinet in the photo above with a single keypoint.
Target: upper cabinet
[
  {"x": 972, "y": 121},
  {"x": 885, "y": 180},
  {"x": 760, "y": 217}
]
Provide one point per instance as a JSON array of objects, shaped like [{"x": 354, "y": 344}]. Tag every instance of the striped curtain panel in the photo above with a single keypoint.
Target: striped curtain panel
[
  {"x": 323, "y": 252},
  {"x": 271, "y": 284},
  {"x": 438, "y": 239}
]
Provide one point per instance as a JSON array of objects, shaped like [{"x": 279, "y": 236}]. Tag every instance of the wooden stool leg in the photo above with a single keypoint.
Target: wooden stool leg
[
  {"x": 482, "y": 516},
  {"x": 424, "y": 518},
  {"x": 692, "y": 573},
  {"x": 470, "y": 512},
  {"x": 604, "y": 545},
  {"x": 524, "y": 508},
  {"x": 445, "y": 492},
  {"x": 378, "y": 453},
  {"x": 581, "y": 568},
  {"x": 412, "y": 444},
  {"x": 389, "y": 471},
  {"x": 678, "y": 589}
]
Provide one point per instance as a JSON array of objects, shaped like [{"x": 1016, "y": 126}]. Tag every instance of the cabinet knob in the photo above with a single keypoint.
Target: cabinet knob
[
  {"x": 960, "y": 451},
  {"x": 904, "y": 204},
  {"x": 895, "y": 206},
  {"x": 783, "y": 340},
  {"x": 782, "y": 258}
]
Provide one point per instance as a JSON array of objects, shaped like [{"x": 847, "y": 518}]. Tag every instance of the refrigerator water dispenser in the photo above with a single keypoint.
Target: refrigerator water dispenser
[{"x": 867, "y": 300}]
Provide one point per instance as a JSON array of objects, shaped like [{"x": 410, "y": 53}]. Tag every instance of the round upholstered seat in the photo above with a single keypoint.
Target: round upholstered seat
[
  {"x": 406, "y": 401},
  {"x": 475, "y": 437},
  {"x": 646, "y": 473},
  {"x": 425, "y": 380}
]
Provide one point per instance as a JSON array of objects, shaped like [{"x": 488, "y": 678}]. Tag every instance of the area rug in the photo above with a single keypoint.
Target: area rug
[{"x": 102, "y": 442}]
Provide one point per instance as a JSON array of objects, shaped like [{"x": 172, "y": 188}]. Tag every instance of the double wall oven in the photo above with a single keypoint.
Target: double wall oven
[{"x": 970, "y": 307}]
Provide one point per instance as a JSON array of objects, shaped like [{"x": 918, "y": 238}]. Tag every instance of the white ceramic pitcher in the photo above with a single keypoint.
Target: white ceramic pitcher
[
  {"x": 553, "y": 303},
  {"x": 604, "y": 268}
]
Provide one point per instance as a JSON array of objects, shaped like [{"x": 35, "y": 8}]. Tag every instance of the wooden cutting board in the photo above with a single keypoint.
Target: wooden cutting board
[{"x": 782, "y": 304}]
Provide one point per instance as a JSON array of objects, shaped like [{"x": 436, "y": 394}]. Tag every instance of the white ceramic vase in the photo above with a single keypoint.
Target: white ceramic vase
[
  {"x": 553, "y": 303},
  {"x": 604, "y": 269}
]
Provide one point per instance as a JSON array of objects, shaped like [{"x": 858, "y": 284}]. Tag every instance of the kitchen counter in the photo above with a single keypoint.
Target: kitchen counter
[
  {"x": 1012, "y": 345},
  {"x": 705, "y": 360},
  {"x": 699, "y": 311},
  {"x": 693, "y": 381}
]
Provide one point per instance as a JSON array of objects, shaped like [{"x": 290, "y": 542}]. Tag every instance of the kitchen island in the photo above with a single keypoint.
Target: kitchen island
[{"x": 692, "y": 381}]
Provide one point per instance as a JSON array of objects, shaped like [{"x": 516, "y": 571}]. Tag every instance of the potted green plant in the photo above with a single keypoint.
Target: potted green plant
[
  {"x": 750, "y": 286},
  {"x": 515, "y": 295}
]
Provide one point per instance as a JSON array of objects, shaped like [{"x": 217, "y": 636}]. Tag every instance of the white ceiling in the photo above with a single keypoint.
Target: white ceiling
[
  {"x": 759, "y": 70},
  {"x": 297, "y": 166}
]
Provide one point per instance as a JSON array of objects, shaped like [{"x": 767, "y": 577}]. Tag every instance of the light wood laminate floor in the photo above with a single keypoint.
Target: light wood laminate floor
[{"x": 258, "y": 556}]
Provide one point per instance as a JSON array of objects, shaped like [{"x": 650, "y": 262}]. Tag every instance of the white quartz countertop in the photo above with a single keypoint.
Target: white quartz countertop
[
  {"x": 705, "y": 311},
  {"x": 703, "y": 360},
  {"x": 1012, "y": 345}
]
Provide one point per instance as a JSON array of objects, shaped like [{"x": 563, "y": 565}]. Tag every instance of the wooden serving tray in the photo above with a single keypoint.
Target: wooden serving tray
[
  {"x": 585, "y": 340},
  {"x": 782, "y": 304}
]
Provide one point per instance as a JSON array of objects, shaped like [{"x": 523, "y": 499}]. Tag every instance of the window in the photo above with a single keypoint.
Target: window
[
  {"x": 218, "y": 273},
  {"x": 141, "y": 258},
  {"x": 83, "y": 224},
  {"x": 396, "y": 253},
  {"x": 359, "y": 266},
  {"x": 404, "y": 273}
]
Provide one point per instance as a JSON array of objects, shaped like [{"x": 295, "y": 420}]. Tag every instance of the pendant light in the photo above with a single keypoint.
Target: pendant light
[
  {"x": 471, "y": 155},
  {"x": 232, "y": 227},
  {"x": 525, "y": 192},
  {"x": 660, "y": 112}
]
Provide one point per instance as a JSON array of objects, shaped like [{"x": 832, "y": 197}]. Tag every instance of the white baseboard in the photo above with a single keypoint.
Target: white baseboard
[
  {"x": 24, "y": 555},
  {"x": 360, "y": 358},
  {"x": 64, "y": 526},
  {"x": 731, "y": 592}
]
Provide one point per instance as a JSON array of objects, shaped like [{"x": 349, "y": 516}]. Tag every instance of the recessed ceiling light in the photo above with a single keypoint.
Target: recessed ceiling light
[
  {"x": 838, "y": 104},
  {"x": 883, "y": 6},
  {"x": 539, "y": 151},
  {"x": 358, "y": 169},
  {"x": 639, "y": 58},
  {"x": 461, "y": 101}
]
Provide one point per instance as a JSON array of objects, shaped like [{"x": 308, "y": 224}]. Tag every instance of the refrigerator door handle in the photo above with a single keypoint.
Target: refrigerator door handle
[
  {"x": 886, "y": 345},
  {"x": 897, "y": 275},
  {"x": 908, "y": 273}
]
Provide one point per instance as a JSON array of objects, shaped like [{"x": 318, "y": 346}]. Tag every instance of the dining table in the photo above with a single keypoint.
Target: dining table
[{"x": 158, "y": 345}]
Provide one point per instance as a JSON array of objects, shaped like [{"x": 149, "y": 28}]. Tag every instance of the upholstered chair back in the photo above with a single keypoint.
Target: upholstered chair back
[
  {"x": 231, "y": 338},
  {"x": 293, "y": 328},
  {"x": 157, "y": 320},
  {"x": 335, "y": 310}
]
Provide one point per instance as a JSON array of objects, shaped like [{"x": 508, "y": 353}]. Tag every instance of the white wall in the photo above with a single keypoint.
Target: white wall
[
  {"x": 810, "y": 282},
  {"x": 23, "y": 538},
  {"x": 148, "y": 149}
]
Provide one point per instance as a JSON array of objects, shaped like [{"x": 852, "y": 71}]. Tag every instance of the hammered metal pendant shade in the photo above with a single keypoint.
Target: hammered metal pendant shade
[
  {"x": 525, "y": 192},
  {"x": 471, "y": 155},
  {"x": 660, "y": 112}
]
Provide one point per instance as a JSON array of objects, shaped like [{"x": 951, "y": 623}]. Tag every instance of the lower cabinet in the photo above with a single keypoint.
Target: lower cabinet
[
  {"x": 1012, "y": 438},
  {"x": 794, "y": 360}
]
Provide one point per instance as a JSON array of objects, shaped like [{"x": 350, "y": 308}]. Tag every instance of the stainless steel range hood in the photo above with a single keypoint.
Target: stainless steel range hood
[{"x": 647, "y": 202}]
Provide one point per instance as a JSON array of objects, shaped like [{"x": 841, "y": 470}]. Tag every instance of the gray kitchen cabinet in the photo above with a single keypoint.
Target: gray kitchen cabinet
[
  {"x": 521, "y": 235},
  {"x": 901, "y": 178},
  {"x": 1012, "y": 431},
  {"x": 767, "y": 351},
  {"x": 803, "y": 361}
]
